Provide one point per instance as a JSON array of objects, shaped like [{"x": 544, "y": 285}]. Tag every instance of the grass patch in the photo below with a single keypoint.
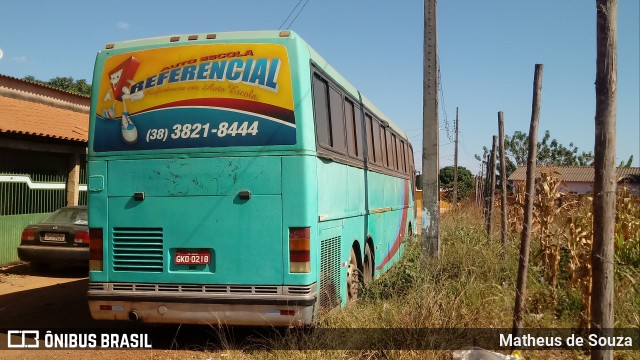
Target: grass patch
[{"x": 471, "y": 285}]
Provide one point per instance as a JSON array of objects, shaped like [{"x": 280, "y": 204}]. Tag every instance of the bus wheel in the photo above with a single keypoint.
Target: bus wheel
[
  {"x": 367, "y": 265},
  {"x": 353, "y": 278}
]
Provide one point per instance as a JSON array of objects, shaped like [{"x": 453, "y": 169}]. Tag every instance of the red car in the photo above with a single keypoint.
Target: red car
[{"x": 61, "y": 238}]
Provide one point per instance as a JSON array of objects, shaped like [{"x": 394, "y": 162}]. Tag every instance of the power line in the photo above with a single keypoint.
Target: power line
[
  {"x": 443, "y": 105},
  {"x": 294, "y": 19},
  {"x": 288, "y": 16},
  {"x": 297, "y": 14}
]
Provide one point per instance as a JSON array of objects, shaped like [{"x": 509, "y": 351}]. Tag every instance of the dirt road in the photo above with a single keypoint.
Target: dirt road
[{"x": 57, "y": 300}]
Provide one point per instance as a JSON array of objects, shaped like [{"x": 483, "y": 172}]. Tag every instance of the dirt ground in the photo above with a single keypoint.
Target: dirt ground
[{"x": 57, "y": 299}]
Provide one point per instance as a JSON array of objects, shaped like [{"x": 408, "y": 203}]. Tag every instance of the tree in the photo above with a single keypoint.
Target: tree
[
  {"x": 550, "y": 151},
  {"x": 80, "y": 87},
  {"x": 466, "y": 184},
  {"x": 628, "y": 163},
  {"x": 510, "y": 166}
]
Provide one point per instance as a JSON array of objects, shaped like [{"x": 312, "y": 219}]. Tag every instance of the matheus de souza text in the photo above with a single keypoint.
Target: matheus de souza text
[{"x": 593, "y": 340}]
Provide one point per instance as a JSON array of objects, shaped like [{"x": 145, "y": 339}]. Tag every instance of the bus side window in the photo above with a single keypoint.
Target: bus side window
[
  {"x": 357, "y": 120},
  {"x": 404, "y": 157},
  {"x": 321, "y": 111},
  {"x": 337, "y": 121},
  {"x": 398, "y": 156},
  {"x": 383, "y": 146},
  {"x": 412, "y": 166},
  {"x": 375, "y": 138},
  {"x": 370, "y": 142},
  {"x": 352, "y": 138},
  {"x": 391, "y": 149}
]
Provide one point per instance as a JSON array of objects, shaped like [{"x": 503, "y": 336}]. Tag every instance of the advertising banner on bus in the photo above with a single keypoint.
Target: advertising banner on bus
[{"x": 193, "y": 96}]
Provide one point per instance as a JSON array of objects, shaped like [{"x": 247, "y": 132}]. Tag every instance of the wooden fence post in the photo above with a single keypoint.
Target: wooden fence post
[
  {"x": 604, "y": 186},
  {"x": 503, "y": 178},
  {"x": 492, "y": 186},
  {"x": 525, "y": 238}
]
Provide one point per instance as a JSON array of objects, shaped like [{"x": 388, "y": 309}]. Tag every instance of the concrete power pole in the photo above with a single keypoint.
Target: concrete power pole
[
  {"x": 455, "y": 167},
  {"x": 430, "y": 134}
]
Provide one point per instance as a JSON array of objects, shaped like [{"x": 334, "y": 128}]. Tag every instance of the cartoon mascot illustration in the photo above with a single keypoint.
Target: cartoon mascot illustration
[{"x": 121, "y": 77}]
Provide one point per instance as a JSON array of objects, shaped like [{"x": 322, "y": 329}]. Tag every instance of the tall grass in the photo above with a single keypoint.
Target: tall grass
[{"x": 471, "y": 285}]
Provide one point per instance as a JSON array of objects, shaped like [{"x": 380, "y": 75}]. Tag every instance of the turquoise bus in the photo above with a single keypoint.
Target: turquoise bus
[{"x": 237, "y": 178}]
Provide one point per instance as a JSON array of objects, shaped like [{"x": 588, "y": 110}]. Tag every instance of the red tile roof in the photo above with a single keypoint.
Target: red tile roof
[
  {"x": 585, "y": 174},
  {"x": 33, "y": 118}
]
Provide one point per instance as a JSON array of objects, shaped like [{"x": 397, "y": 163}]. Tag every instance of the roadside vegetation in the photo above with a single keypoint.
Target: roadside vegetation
[{"x": 472, "y": 285}]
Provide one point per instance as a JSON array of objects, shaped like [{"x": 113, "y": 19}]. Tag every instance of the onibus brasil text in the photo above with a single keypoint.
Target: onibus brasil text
[{"x": 52, "y": 340}]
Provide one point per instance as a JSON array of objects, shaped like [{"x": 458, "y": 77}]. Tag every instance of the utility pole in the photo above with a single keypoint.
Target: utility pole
[
  {"x": 430, "y": 137},
  {"x": 480, "y": 195},
  {"x": 492, "y": 186},
  {"x": 455, "y": 166},
  {"x": 604, "y": 185},
  {"x": 487, "y": 187},
  {"x": 525, "y": 238},
  {"x": 503, "y": 178}
]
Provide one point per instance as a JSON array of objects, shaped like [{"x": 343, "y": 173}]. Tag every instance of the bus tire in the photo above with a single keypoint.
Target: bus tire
[
  {"x": 353, "y": 278},
  {"x": 367, "y": 265}
]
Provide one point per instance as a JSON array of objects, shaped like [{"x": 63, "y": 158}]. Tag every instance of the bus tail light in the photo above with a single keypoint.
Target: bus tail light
[
  {"x": 95, "y": 249},
  {"x": 299, "y": 250}
]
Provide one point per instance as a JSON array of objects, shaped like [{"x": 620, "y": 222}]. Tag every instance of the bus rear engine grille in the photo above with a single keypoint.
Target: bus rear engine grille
[
  {"x": 330, "y": 273},
  {"x": 138, "y": 249}
]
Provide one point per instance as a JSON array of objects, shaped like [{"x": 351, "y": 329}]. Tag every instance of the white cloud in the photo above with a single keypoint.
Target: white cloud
[
  {"x": 122, "y": 25},
  {"x": 19, "y": 59}
]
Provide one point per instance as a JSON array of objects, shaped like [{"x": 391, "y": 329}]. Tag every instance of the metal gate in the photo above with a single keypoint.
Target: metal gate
[{"x": 32, "y": 185}]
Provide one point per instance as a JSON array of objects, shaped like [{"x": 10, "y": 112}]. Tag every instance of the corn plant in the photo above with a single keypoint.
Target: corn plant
[
  {"x": 515, "y": 212},
  {"x": 579, "y": 239},
  {"x": 546, "y": 212}
]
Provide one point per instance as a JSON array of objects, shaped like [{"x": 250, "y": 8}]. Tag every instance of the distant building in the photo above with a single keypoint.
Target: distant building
[
  {"x": 578, "y": 179},
  {"x": 43, "y": 147}
]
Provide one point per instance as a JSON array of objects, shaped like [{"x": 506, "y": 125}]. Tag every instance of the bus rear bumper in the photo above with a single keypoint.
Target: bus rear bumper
[{"x": 214, "y": 309}]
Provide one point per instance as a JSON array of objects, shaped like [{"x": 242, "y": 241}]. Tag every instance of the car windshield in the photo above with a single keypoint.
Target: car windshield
[{"x": 77, "y": 216}]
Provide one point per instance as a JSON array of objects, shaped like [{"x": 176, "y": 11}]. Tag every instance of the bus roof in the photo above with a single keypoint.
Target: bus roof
[{"x": 261, "y": 36}]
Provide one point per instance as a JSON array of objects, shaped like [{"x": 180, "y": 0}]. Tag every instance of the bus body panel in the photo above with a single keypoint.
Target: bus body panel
[
  {"x": 242, "y": 238},
  {"x": 299, "y": 204},
  {"x": 165, "y": 188},
  {"x": 220, "y": 176}
]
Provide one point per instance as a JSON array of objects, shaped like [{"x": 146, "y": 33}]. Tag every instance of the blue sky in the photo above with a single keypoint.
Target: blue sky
[{"x": 487, "y": 50}]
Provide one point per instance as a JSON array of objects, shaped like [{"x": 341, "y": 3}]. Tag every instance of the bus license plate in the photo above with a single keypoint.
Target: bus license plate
[{"x": 192, "y": 257}]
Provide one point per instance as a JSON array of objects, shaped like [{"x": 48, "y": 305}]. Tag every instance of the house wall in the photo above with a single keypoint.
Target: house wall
[{"x": 576, "y": 187}]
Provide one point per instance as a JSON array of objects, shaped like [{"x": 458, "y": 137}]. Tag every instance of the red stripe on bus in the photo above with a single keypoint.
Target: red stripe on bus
[
  {"x": 403, "y": 224},
  {"x": 232, "y": 104}
]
